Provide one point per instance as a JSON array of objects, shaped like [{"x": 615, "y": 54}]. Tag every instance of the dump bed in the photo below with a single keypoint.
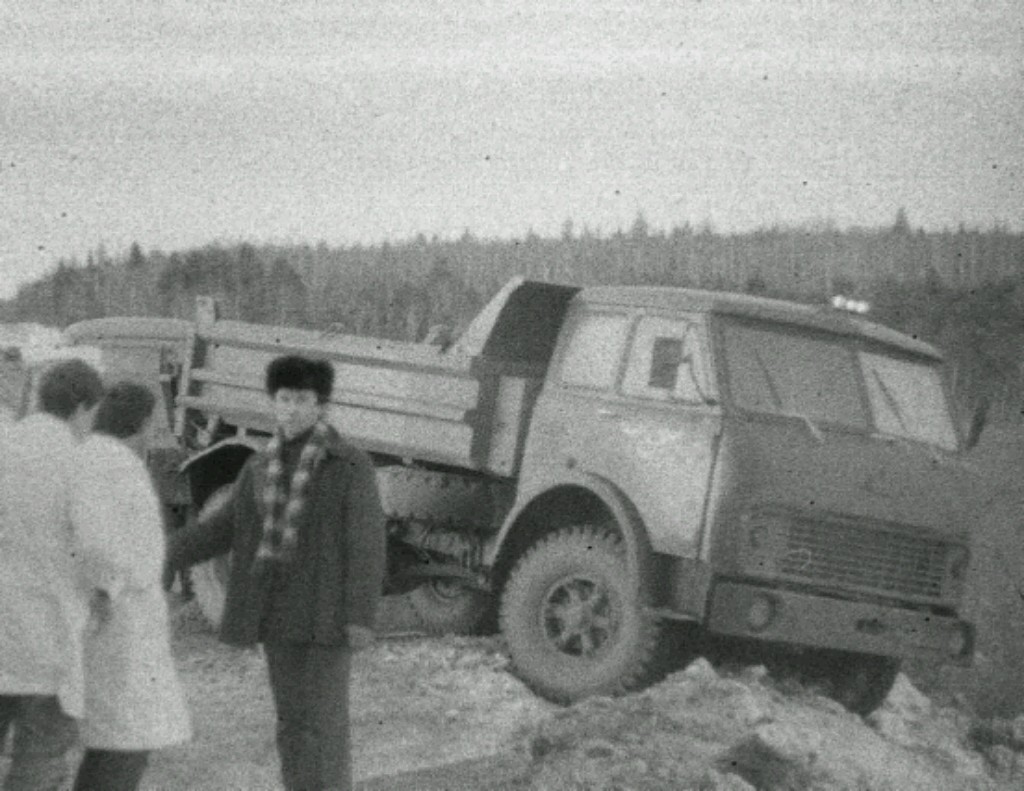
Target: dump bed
[{"x": 466, "y": 406}]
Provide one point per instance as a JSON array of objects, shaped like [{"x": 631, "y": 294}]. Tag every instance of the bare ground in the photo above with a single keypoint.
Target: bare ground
[
  {"x": 432, "y": 714},
  {"x": 417, "y": 704},
  {"x": 445, "y": 715}
]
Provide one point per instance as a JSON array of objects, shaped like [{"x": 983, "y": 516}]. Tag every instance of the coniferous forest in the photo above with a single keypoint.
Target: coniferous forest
[{"x": 962, "y": 290}]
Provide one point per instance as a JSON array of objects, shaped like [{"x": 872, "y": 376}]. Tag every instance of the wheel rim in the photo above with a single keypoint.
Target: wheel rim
[{"x": 579, "y": 617}]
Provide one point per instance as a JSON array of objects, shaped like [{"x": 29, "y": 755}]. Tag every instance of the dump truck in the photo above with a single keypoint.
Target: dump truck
[{"x": 597, "y": 471}]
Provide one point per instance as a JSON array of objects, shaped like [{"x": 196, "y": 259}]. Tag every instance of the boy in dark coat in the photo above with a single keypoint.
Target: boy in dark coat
[{"x": 306, "y": 531}]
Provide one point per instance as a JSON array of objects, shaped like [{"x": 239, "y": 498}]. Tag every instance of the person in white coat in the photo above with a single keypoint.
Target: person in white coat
[
  {"x": 134, "y": 702},
  {"x": 42, "y": 608}
]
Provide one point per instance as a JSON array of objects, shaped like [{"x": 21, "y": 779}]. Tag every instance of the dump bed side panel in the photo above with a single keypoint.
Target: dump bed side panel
[
  {"x": 388, "y": 405},
  {"x": 467, "y": 406}
]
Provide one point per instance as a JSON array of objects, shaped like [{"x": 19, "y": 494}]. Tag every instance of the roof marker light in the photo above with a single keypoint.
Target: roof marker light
[{"x": 839, "y": 302}]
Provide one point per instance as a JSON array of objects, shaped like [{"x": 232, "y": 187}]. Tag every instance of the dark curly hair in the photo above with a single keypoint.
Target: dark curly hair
[
  {"x": 67, "y": 385},
  {"x": 124, "y": 410}
]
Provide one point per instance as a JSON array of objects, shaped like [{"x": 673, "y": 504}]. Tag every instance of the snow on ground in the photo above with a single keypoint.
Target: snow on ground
[
  {"x": 421, "y": 703},
  {"x": 701, "y": 729},
  {"x": 426, "y": 709}
]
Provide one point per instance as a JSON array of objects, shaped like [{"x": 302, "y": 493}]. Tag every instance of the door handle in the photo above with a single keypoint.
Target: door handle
[{"x": 605, "y": 412}]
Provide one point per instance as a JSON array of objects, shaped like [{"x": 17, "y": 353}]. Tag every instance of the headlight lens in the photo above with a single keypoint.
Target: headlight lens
[{"x": 761, "y": 613}]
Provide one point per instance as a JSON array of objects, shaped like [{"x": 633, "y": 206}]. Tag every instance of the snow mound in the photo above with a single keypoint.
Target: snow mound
[{"x": 701, "y": 729}]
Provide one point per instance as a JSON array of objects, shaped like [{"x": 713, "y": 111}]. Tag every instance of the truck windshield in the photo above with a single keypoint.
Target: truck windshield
[
  {"x": 907, "y": 399},
  {"x": 819, "y": 379},
  {"x": 788, "y": 374}
]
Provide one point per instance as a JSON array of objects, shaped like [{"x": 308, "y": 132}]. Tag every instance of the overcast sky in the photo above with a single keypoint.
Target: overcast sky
[{"x": 179, "y": 123}]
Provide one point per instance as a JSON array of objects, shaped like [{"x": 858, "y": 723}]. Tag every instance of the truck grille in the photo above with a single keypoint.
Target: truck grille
[{"x": 863, "y": 558}]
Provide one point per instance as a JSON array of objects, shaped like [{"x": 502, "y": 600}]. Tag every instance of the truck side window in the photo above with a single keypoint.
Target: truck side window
[
  {"x": 666, "y": 355},
  {"x": 666, "y": 361},
  {"x": 595, "y": 348}
]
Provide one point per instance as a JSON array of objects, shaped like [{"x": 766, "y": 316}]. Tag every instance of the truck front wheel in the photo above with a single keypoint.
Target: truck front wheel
[{"x": 574, "y": 620}]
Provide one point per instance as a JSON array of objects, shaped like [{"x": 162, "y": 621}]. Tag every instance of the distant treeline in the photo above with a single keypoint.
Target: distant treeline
[{"x": 962, "y": 290}]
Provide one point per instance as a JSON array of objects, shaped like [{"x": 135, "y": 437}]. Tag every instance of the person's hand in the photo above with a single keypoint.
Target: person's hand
[{"x": 359, "y": 637}]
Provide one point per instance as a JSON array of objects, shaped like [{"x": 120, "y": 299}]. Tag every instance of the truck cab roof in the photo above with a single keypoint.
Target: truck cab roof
[{"x": 777, "y": 311}]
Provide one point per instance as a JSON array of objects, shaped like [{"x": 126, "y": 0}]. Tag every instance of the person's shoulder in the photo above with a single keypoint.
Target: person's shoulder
[
  {"x": 103, "y": 455},
  {"x": 103, "y": 445},
  {"x": 338, "y": 448},
  {"x": 42, "y": 423},
  {"x": 40, "y": 434}
]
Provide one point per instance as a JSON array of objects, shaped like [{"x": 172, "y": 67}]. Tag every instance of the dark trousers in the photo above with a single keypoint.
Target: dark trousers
[
  {"x": 111, "y": 770},
  {"x": 43, "y": 737},
  {"x": 310, "y": 689}
]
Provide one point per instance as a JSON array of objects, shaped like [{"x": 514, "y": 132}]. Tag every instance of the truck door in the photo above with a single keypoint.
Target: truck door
[
  {"x": 667, "y": 429},
  {"x": 579, "y": 401},
  {"x": 633, "y": 403}
]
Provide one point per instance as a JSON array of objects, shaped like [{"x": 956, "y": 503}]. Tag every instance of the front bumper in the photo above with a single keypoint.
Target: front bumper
[{"x": 762, "y": 613}]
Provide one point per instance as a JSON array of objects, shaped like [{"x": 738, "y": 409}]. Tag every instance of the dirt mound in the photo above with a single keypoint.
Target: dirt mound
[{"x": 700, "y": 729}]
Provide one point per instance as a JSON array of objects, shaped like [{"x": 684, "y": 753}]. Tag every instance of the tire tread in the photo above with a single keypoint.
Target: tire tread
[{"x": 645, "y": 662}]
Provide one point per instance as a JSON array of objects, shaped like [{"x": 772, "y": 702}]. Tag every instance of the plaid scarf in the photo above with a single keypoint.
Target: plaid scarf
[{"x": 284, "y": 505}]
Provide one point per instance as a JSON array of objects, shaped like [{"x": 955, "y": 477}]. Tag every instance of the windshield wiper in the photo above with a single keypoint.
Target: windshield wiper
[
  {"x": 890, "y": 399},
  {"x": 773, "y": 390},
  {"x": 777, "y": 399},
  {"x": 811, "y": 425}
]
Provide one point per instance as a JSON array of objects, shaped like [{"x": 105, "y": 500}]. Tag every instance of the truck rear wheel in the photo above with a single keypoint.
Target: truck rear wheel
[
  {"x": 860, "y": 682},
  {"x": 449, "y": 607},
  {"x": 210, "y": 579},
  {"x": 574, "y": 621}
]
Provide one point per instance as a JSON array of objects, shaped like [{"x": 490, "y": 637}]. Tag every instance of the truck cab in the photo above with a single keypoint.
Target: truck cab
[{"x": 776, "y": 473}]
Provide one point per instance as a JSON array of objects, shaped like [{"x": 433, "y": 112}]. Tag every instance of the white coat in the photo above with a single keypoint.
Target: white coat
[
  {"x": 133, "y": 698},
  {"x": 42, "y": 608}
]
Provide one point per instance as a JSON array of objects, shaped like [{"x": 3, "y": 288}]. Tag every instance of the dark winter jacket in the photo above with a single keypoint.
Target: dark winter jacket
[{"x": 337, "y": 575}]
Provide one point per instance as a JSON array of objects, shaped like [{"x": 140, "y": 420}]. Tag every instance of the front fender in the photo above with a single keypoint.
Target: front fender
[
  {"x": 634, "y": 534},
  {"x": 217, "y": 466}
]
